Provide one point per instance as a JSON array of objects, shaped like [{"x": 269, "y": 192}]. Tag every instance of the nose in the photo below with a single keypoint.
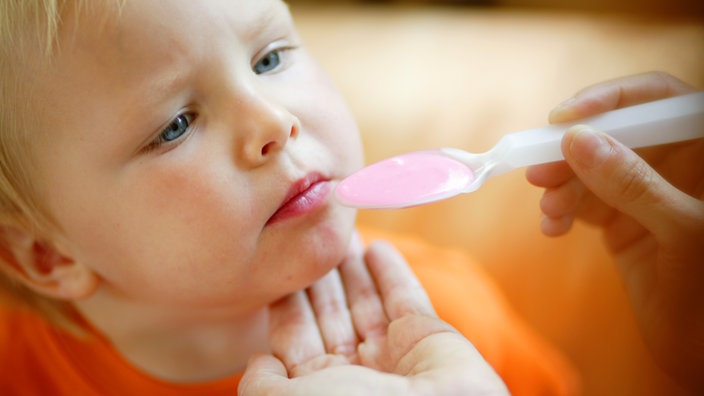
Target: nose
[{"x": 268, "y": 127}]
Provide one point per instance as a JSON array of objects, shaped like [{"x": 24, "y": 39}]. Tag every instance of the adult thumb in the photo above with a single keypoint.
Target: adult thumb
[{"x": 621, "y": 178}]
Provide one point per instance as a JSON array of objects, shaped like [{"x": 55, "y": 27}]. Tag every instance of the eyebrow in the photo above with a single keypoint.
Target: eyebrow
[{"x": 263, "y": 22}]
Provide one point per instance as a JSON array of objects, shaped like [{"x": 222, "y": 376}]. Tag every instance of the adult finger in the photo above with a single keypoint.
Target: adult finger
[
  {"x": 549, "y": 175},
  {"x": 614, "y": 94},
  {"x": 625, "y": 181},
  {"x": 563, "y": 204}
]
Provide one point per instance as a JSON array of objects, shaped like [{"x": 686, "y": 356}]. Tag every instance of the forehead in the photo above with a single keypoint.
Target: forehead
[
  {"x": 107, "y": 47},
  {"x": 127, "y": 33}
]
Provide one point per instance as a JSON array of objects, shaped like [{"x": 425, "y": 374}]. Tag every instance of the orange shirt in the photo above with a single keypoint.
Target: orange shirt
[{"x": 39, "y": 359}]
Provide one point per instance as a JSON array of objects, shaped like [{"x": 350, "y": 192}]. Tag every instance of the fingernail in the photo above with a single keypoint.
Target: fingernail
[
  {"x": 556, "y": 113},
  {"x": 566, "y": 104},
  {"x": 589, "y": 147}
]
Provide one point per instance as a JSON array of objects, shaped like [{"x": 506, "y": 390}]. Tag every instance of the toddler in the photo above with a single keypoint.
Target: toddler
[{"x": 167, "y": 170}]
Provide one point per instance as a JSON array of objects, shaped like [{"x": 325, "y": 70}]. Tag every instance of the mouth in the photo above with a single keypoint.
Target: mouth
[{"x": 305, "y": 196}]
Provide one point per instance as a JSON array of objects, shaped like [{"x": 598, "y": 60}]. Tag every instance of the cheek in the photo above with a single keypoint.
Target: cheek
[
  {"x": 336, "y": 128},
  {"x": 295, "y": 257},
  {"x": 324, "y": 112},
  {"x": 170, "y": 233}
]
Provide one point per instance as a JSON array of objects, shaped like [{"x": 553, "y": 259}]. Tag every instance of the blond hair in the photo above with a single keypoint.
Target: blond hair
[{"x": 28, "y": 38}]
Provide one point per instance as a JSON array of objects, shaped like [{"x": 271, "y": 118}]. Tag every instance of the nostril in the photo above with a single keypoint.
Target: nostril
[
  {"x": 267, "y": 148},
  {"x": 279, "y": 142}
]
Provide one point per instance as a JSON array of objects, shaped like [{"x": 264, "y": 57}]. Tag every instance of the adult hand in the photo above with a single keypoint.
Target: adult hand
[
  {"x": 651, "y": 212},
  {"x": 369, "y": 330}
]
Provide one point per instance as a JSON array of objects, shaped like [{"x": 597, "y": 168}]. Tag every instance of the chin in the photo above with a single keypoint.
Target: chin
[
  {"x": 328, "y": 245},
  {"x": 334, "y": 239}
]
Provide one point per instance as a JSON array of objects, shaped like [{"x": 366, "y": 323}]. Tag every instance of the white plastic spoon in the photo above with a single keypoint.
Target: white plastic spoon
[{"x": 427, "y": 176}]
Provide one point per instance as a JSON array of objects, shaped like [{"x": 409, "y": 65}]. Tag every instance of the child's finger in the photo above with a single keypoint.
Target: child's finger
[
  {"x": 618, "y": 93},
  {"x": 265, "y": 375},
  {"x": 327, "y": 297},
  {"x": 400, "y": 290},
  {"x": 293, "y": 331},
  {"x": 363, "y": 298}
]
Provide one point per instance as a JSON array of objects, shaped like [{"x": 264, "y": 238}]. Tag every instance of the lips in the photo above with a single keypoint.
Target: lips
[{"x": 304, "y": 196}]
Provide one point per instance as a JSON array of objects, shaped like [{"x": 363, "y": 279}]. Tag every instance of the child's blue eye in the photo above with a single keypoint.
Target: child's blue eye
[
  {"x": 176, "y": 129},
  {"x": 269, "y": 62}
]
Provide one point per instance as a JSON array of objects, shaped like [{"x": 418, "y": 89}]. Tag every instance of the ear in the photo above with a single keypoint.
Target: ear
[{"x": 42, "y": 267}]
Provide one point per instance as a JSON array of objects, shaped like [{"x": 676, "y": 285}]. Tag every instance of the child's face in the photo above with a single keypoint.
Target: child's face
[{"x": 172, "y": 133}]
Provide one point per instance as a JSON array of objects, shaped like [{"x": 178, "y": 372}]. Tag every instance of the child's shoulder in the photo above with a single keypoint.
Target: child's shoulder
[
  {"x": 16, "y": 324},
  {"x": 38, "y": 358},
  {"x": 20, "y": 346}
]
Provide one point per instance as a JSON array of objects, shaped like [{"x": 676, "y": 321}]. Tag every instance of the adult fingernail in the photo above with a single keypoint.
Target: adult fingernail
[
  {"x": 556, "y": 114},
  {"x": 589, "y": 147},
  {"x": 566, "y": 104}
]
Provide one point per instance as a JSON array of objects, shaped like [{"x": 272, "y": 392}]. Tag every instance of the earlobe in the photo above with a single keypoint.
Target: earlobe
[{"x": 42, "y": 267}]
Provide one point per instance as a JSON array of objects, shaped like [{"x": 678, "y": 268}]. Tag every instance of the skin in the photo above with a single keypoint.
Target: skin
[
  {"x": 389, "y": 342},
  {"x": 650, "y": 208},
  {"x": 175, "y": 235}
]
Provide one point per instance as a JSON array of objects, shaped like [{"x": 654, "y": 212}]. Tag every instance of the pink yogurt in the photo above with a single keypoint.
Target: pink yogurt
[{"x": 405, "y": 180}]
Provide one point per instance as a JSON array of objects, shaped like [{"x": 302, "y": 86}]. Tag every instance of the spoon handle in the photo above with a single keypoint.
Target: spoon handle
[{"x": 664, "y": 121}]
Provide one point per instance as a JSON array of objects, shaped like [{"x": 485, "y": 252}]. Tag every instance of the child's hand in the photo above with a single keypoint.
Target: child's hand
[
  {"x": 388, "y": 342},
  {"x": 651, "y": 212}
]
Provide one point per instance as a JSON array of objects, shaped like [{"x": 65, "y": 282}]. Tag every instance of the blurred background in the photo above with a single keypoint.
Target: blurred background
[
  {"x": 426, "y": 74},
  {"x": 637, "y": 6}
]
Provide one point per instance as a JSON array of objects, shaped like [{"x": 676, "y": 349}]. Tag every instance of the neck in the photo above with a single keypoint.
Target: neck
[{"x": 179, "y": 346}]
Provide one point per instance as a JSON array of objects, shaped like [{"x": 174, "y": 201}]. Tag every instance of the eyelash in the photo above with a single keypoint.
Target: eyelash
[
  {"x": 279, "y": 52},
  {"x": 184, "y": 120}
]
